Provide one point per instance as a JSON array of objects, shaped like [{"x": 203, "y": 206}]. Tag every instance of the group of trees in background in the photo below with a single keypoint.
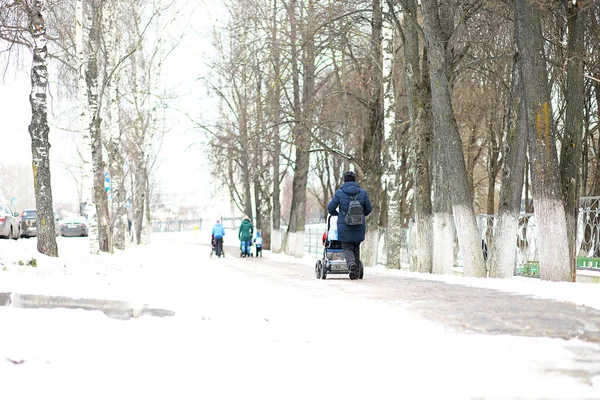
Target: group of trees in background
[
  {"x": 445, "y": 108},
  {"x": 105, "y": 57}
]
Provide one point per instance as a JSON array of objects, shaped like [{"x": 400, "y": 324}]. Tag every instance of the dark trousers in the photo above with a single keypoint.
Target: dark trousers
[
  {"x": 219, "y": 246},
  {"x": 351, "y": 253}
]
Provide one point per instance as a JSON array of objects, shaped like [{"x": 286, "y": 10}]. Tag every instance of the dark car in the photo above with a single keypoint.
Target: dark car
[
  {"x": 28, "y": 223},
  {"x": 9, "y": 227},
  {"x": 74, "y": 226}
]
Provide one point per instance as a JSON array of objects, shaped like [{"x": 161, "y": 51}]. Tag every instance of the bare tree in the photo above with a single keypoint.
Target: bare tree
[
  {"x": 554, "y": 253},
  {"x": 419, "y": 106},
  {"x": 275, "y": 117},
  {"x": 38, "y": 130},
  {"x": 445, "y": 128},
  {"x": 294, "y": 239},
  {"x": 570, "y": 155},
  {"x": 502, "y": 251}
]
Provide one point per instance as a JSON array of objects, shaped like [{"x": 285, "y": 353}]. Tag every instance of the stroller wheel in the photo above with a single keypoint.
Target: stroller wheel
[
  {"x": 318, "y": 269},
  {"x": 323, "y": 270}
]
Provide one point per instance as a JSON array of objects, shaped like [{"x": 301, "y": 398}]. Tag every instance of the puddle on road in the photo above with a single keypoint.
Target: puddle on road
[{"x": 112, "y": 308}]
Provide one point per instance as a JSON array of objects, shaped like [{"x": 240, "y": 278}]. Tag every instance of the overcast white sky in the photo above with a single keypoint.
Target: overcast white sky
[{"x": 182, "y": 170}]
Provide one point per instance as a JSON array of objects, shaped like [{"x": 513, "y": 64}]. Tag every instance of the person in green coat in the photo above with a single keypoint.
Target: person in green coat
[{"x": 245, "y": 235}]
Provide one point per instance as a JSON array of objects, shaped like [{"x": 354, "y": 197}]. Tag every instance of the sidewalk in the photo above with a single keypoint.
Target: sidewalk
[{"x": 135, "y": 274}]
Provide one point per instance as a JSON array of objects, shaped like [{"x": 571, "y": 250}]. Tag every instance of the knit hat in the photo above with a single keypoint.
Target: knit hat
[{"x": 349, "y": 176}]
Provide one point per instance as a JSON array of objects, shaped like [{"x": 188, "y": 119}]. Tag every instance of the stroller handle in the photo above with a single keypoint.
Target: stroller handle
[{"x": 329, "y": 221}]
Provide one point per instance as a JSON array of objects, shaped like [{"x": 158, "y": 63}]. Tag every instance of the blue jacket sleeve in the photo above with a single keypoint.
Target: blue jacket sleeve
[
  {"x": 367, "y": 208},
  {"x": 333, "y": 205}
]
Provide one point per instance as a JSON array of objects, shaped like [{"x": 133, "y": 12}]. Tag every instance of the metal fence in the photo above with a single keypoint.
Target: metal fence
[
  {"x": 313, "y": 243},
  {"x": 178, "y": 225},
  {"x": 313, "y": 240},
  {"x": 396, "y": 243}
]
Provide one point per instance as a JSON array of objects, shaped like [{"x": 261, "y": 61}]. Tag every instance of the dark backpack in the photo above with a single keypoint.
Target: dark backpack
[{"x": 355, "y": 214}]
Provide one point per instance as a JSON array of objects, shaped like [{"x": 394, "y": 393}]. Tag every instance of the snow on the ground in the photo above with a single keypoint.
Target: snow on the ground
[
  {"x": 238, "y": 338},
  {"x": 75, "y": 263}
]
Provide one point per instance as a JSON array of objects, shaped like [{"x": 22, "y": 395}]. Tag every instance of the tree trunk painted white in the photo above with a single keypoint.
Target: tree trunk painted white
[
  {"x": 276, "y": 240},
  {"x": 86, "y": 153},
  {"x": 469, "y": 238},
  {"x": 295, "y": 244},
  {"x": 443, "y": 239},
  {"x": 302, "y": 140},
  {"x": 368, "y": 248},
  {"x": 276, "y": 118},
  {"x": 419, "y": 106},
  {"x": 39, "y": 130},
  {"x": 554, "y": 255},
  {"x": 502, "y": 250},
  {"x": 443, "y": 223}
]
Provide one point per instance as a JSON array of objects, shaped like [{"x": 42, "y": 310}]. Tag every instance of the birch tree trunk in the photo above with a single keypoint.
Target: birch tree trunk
[
  {"x": 373, "y": 142},
  {"x": 39, "y": 130},
  {"x": 503, "y": 251},
  {"x": 118, "y": 214},
  {"x": 141, "y": 189},
  {"x": 395, "y": 143},
  {"x": 553, "y": 243},
  {"x": 91, "y": 78},
  {"x": 445, "y": 126},
  {"x": 419, "y": 103},
  {"x": 570, "y": 155},
  {"x": 87, "y": 183}
]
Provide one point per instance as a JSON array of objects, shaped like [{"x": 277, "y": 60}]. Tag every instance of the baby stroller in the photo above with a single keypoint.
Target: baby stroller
[
  {"x": 213, "y": 249},
  {"x": 333, "y": 261}
]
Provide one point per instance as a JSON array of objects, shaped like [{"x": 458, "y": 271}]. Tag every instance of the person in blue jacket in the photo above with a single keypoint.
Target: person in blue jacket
[
  {"x": 351, "y": 236},
  {"x": 218, "y": 233}
]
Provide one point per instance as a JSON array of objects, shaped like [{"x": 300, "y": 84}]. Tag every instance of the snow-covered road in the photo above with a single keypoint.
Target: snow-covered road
[{"x": 244, "y": 329}]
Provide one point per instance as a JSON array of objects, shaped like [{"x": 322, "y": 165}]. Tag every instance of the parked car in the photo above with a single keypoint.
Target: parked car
[
  {"x": 74, "y": 226},
  {"x": 9, "y": 227},
  {"x": 28, "y": 223}
]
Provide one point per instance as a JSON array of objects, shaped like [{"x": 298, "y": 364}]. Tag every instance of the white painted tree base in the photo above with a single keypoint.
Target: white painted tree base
[
  {"x": 276, "y": 240},
  {"x": 368, "y": 248},
  {"x": 294, "y": 245},
  {"x": 443, "y": 244}
]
